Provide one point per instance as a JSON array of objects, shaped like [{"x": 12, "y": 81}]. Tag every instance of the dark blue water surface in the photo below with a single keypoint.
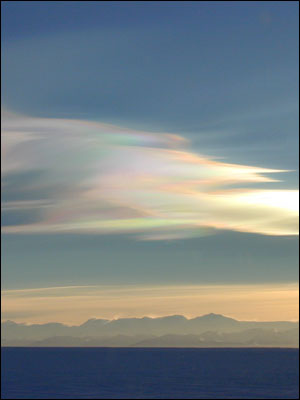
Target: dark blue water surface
[{"x": 123, "y": 373}]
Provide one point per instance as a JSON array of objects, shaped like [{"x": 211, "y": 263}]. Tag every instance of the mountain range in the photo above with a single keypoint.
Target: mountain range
[{"x": 211, "y": 330}]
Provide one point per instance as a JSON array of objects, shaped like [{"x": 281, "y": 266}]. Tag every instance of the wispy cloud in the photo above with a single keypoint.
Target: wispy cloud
[
  {"x": 75, "y": 304},
  {"x": 80, "y": 176}
]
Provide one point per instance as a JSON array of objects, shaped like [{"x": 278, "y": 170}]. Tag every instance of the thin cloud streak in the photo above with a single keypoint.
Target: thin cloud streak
[
  {"x": 88, "y": 177},
  {"x": 75, "y": 304}
]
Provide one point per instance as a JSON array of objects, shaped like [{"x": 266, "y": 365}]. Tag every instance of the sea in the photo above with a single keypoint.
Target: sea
[{"x": 149, "y": 373}]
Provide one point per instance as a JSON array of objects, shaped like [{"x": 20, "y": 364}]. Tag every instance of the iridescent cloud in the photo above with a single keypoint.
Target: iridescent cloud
[{"x": 80, "y": 176}]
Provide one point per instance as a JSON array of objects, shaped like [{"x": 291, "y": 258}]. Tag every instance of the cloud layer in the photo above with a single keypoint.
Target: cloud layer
[
  {"x": 61, "y": 175},
  {"x": 75, "y": 304}
]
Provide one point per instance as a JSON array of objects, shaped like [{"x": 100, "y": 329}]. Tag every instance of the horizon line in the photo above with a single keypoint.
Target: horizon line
[{"x": 144, "y": 317}]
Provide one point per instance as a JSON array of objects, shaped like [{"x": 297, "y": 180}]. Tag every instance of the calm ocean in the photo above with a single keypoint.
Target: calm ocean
[{"x": 124, "y": 373}]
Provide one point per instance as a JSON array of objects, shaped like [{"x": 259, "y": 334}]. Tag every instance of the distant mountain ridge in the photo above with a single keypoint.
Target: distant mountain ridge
[{"x": 160, "y": 331}]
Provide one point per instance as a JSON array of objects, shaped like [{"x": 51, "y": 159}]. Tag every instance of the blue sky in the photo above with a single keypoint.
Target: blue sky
[
  {"x": 217, "y": 80},
  {"x": 223, "y": 74}
]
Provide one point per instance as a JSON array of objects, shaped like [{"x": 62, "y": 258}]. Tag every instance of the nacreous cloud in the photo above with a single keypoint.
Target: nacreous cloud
[{"x": 61, "y": 175}]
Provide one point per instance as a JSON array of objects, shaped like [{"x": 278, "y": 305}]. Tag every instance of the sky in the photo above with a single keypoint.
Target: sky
[{"x": 149, "y": 146}]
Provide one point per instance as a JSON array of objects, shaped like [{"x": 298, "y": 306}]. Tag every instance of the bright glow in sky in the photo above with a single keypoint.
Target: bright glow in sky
[{"x": 96, "y": 178}]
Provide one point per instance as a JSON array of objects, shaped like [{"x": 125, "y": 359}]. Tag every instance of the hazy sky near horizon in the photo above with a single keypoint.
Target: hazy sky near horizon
[
  {"x": 76, "y": 304},
  {"x": 150, "y": 144}
]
